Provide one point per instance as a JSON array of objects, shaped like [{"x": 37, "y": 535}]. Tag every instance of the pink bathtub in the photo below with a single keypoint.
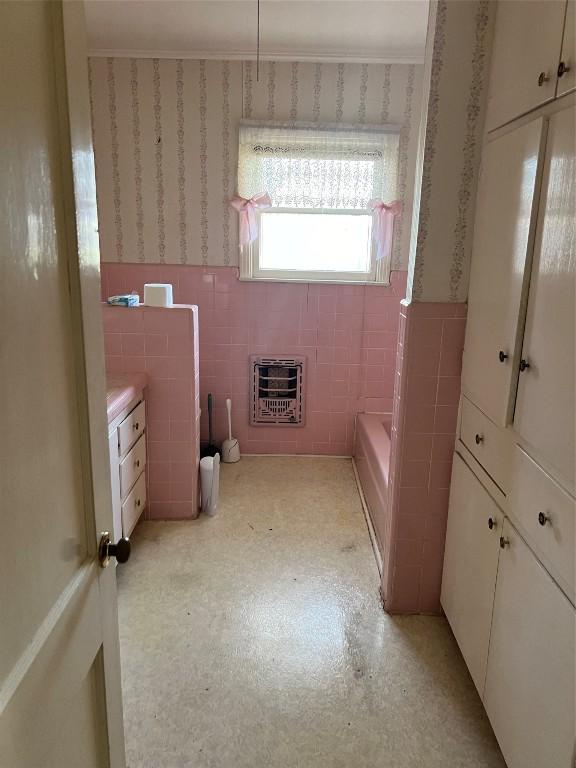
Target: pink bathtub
[{"x": 372, "y": 457}]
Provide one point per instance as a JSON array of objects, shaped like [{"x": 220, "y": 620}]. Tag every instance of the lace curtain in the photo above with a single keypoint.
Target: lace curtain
[{"x": 314, "y": 166}]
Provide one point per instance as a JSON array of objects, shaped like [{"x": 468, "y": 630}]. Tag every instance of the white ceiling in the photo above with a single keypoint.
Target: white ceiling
[{"x": 355, "y": 30}]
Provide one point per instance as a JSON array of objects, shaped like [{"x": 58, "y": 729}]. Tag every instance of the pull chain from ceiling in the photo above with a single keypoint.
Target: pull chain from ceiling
[{"x": 258, "y": 42}]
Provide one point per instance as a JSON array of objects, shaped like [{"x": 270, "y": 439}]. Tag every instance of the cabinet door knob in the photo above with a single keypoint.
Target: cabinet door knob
[
  {"x": 502, "y": 356},
  {"x": 492, "y": 523},
  {"x": 504, "y": 542},
  {"x": 136, "y": 425},
  {"x": 562, "y": 69},
  {"x": 543, "y": 78},
  {"x": 542, "y": 518},
  {"x": 479, "y": 439},
  {"x": 137, "y": 463},
  {"x": 524, "y": 364}
]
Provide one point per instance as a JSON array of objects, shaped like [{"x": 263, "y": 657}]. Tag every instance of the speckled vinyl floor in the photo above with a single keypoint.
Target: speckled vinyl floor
[{"x": 256, "y": 639}]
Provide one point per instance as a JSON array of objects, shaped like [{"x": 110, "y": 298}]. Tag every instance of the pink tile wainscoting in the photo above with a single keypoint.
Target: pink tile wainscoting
[
  {"x": 348, "y": 333},
  {"x": 163, "y": 343},
  {"x": 429, "y": 361}
]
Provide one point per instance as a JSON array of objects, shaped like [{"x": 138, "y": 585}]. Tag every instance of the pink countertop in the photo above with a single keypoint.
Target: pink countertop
[{"x": 121, "y": 389}]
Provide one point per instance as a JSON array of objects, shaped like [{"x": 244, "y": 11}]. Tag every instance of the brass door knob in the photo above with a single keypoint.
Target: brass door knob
[{"x": 106, "y": 549}]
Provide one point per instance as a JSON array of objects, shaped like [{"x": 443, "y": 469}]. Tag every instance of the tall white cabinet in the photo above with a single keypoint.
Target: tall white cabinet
[
  {"x": 509, "y": 585},
  {"x": 545, "y": 395}
]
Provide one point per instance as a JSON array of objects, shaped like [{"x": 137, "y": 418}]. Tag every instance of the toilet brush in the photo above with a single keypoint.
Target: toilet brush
[{"x": 230, "y": 447}]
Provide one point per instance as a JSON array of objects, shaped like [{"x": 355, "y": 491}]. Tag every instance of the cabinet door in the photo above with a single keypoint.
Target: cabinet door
[
  {"x": 503, "y": 235},
  {"x": 529, "y": 692},
  {"x": 470, "y": 564},
  {"x": 525, "y": 56},
  {"x": 545, "y": 413},
  {"x": 567, "y": 71}
]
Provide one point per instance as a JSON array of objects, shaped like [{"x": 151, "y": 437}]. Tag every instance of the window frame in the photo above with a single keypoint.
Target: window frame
[{"x": 249, "y": 257}]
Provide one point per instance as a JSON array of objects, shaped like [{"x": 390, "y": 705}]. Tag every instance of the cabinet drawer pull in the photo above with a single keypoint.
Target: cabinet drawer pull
[
  {"x": 543, "y": 519},
  {"x": 562, "y": 69},
  {"x": 542, "y": 78},
  {"x": 502, "y": 356},
  {"x": 504, "y": 542},
  {"x": 479, "y": 439},
  {"x": 524, "y": 364},
  {"x": 492, "y": 523}
]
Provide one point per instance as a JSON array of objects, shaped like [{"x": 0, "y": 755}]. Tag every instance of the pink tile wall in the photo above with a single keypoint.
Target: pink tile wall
[
  {"x": 164, "y": 344},
  {"x": 348, "y": 334},
  {"x": 430, "y": 345}
]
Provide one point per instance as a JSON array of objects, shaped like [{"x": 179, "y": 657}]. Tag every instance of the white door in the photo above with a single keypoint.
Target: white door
[
  {"x": 503, "y": 237},
  {"x": 530, "y": 690},
  {"x": 525, "y": 56},
  {"x": 60, "y": 698},
  {"x": 470, "y": 565},
  {"x": 545, "y": 412},
  {"x": 567, "y": 66}
]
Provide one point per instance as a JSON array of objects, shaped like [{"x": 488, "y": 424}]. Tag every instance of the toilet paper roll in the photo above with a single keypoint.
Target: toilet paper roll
[{"x": 158, "y": 295}]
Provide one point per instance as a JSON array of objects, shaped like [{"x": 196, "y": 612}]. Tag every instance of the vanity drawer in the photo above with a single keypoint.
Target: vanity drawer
[
  {"x": 132, "y": 465},
  {"x": 545, "y": 514},
  {"x": 133, "y": 506},
  {"x": 485, "y": 442},
  {"x": 131, "y": 428}
]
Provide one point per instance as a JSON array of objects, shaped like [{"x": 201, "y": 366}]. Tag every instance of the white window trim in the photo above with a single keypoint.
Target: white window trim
[{"x": 249, "y": 254}]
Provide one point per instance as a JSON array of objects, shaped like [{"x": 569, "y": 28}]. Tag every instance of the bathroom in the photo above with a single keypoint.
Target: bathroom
[{"x": 301, "y": 210}]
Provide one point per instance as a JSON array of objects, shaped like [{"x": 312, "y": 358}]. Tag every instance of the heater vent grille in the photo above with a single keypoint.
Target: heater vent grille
[{"x": 277, "y": 391}]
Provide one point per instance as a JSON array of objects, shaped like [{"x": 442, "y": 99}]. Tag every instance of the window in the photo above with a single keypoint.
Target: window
[{"x": 320, "y": 181}]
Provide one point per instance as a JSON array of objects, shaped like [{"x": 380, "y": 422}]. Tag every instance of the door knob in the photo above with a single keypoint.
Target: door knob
[
  {"x": 562, "y": 69},
  {"x": 543, "y": 78},
  {"x": 542, "y": 518},
  {"x": 479, "y": 439},
  {"x": 524, "y": 364},
  {"x": 504, "y": 542},
  {"x": 106, "y": 550},
  {"x": 491, "y": 523},
  {"x": 502, "y": 356}
]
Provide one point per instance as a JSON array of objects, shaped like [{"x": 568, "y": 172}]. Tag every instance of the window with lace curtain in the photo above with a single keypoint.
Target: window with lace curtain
[{"x": 307, "y": 194}]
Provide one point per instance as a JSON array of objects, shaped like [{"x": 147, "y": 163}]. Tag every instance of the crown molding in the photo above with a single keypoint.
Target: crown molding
[{"x": 410, "y": 57}]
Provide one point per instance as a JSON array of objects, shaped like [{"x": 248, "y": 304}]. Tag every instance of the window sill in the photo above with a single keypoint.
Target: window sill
[{"x": 311, "y": 281}]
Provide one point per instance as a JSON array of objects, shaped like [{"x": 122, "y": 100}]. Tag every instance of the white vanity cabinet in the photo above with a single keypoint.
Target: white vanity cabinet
[
  {"x": 530, "y": 680},
  {"x": 531, "y": 50},
  {"x": 545, "y": 402},
  {"x": 127, "y": 445}
]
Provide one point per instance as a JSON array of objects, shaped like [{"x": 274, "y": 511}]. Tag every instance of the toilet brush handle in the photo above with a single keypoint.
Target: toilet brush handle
[{"x": 229, "y": 409}]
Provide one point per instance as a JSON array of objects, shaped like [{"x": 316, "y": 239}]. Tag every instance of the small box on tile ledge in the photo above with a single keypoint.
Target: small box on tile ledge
[
  {"x": 124, "y": 300},
  {"x": 158, "y": 295}
]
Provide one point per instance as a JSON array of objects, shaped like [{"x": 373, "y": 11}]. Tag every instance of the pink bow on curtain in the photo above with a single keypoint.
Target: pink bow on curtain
[
  {"x": 384, "y": 225},
  {"x": 247, "y": 209}
]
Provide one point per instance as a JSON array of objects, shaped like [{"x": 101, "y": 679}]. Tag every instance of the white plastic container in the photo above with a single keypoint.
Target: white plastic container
[
  {"x": 210, "y": 483},
  {"x": 158, "y": 295}
]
